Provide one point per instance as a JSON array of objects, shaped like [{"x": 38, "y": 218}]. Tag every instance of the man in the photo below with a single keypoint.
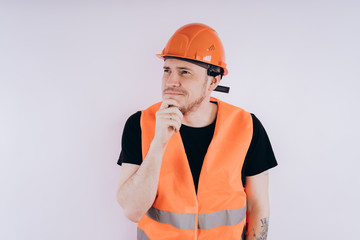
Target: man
[{"x": 194, "y": 167}]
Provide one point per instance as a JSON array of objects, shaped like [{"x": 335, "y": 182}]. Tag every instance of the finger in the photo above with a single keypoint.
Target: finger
[
  {"x": 167, "y": 114},
  {"x": 172, "y": 110},
  {"x": 171, "y": 117},
  {"x": 174, "y": 124},
  {"x": 168, "y": 103}
]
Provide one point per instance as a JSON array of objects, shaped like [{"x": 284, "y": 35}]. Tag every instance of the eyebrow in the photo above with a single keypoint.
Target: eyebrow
[{"x": 180, "y": 68}]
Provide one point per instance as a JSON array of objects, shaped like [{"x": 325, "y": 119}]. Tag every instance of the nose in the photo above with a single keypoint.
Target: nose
[{"x": 172, "y": 80}]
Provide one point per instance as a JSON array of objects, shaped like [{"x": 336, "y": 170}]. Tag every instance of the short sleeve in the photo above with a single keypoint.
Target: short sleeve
[
  {"x": 260, "y": 156},
  {"x": 131, "y": 141}
]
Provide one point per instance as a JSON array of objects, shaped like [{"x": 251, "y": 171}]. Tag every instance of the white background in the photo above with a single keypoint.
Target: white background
[{"x": 72, "y": 72}]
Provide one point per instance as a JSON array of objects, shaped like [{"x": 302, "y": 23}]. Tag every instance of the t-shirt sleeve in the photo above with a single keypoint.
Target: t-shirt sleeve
[
  {"x": 260, "y": 156},
  {"x": 131, "y": 141}
]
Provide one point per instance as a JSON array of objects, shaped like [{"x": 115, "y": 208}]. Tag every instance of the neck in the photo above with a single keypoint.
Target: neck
[{"x": 203, "y": 116}]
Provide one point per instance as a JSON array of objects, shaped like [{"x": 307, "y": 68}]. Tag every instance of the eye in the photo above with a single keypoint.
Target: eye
[
  {"x": 184, "y": 72},
  {"x": 166, "y": 70}
]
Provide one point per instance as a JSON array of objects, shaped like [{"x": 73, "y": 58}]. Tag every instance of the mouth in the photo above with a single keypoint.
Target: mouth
[{"x": 173, "y": 93}]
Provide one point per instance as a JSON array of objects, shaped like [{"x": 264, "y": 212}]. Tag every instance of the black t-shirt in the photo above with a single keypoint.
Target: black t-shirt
[{"x": 259, "y": 158}]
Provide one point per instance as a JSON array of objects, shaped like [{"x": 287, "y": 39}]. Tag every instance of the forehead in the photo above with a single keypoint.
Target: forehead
[{"x": 178, "y": 63}]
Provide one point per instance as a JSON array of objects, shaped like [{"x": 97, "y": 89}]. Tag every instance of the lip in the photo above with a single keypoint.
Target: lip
[{"x": 173, "y": 93}]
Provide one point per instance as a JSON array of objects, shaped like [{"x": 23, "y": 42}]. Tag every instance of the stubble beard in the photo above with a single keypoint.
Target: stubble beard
[{"x": 193, "y": 106}]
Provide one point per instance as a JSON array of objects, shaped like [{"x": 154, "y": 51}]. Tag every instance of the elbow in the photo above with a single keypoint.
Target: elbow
[
  {"x": 133, "y": 216},
  {"x": 129, "y": 211}
]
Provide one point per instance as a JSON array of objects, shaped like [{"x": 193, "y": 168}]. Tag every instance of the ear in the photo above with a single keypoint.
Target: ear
[{"x": 214, "y": 82}]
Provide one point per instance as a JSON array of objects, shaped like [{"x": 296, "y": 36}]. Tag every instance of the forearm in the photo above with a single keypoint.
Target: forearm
[
  {"x": 138, "y": 193},
  {"x": 257, "y": 224},
  {"x": 258, "y": 206}
]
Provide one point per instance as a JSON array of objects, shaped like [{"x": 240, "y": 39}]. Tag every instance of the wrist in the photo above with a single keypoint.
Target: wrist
[{"x": 158, "y": 146}]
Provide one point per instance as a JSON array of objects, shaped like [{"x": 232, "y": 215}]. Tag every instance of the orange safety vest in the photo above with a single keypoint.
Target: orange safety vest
[{"x": 218, "y": 210}]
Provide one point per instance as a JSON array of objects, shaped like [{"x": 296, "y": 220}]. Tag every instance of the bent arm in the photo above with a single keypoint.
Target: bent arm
[
  {"x": 138, "y": 184},
  {"x": 258, "y": 207}
]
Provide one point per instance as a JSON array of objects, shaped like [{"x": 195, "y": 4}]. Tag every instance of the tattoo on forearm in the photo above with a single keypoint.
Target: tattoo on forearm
[
  {"x": 264, "y": 230},
  {"x": 263, "y": 233},
  {"x": 257, "y": 236}
]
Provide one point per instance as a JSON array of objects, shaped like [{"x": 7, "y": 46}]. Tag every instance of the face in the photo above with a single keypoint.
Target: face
[{"x": 185, "y": 82}]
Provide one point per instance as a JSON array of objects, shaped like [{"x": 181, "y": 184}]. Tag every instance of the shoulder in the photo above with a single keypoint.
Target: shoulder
[
  {"x": 234, "y": 113},
  {"x": 133, "y": 120},
  {"x": 132, "y": 126},
  {"x": 230, "y": 106},
  {"x": 258, "y": 127},
  {"x": 152, "y": 108},
  {"x": 259, "y": 133},
  {"x": 131, "y": 141},
  {"x": 256, "y": 122},
  {"x": 260, "y": 156}
]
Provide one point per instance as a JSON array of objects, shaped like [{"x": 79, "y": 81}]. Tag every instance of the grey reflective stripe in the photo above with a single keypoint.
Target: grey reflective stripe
[
  {"x": 221, "y": 218},
  {"x": 178, "y": 220},
  {"x": 141, "y": 235}
]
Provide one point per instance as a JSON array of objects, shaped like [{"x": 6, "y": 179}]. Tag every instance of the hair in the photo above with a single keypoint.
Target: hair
[{"x": 212, "y": 70}]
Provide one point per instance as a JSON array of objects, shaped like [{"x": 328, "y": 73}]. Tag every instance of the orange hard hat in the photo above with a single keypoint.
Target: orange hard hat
[{"x": 197, "y": 42}]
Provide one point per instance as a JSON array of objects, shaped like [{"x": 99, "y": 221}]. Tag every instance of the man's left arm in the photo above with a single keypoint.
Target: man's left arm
[{"x": 258, "y": 207}]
